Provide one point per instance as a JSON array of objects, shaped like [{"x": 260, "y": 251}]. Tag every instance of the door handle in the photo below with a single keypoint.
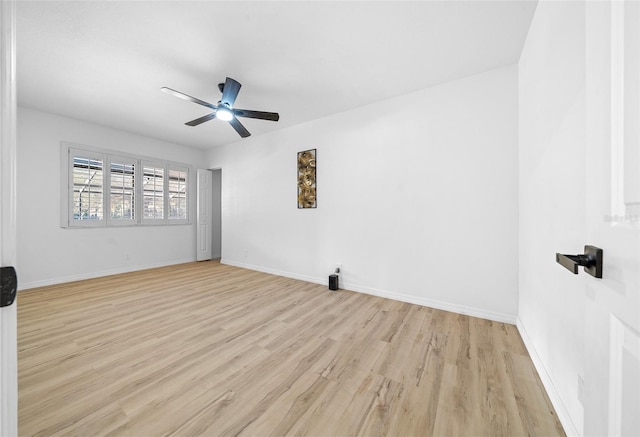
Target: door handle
[
  {"x": 8, "y": 286},
  {"x": 591, "y": 260}
]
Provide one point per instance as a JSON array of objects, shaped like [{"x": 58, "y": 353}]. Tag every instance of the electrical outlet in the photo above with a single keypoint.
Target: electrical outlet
[
  {"x": 246, "y": 253},
  {"x": 126, "y": 256},
  {"x": 581, "y": 389}
]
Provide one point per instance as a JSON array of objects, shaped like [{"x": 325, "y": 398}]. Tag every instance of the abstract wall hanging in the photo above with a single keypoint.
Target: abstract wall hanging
[{"x": 307, "y": 179}]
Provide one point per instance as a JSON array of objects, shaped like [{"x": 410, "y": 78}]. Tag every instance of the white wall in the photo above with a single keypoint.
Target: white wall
[
  {"x": 552, "y": 199},
  {"x": 417, "y": 198},
  {"x": 47, "y": 253}
]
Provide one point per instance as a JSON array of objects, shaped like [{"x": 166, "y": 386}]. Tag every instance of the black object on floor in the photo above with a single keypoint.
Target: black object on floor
[{"x": 333, "y": 282}]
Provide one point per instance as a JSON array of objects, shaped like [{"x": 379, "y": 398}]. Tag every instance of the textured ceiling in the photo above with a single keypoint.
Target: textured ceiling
[{"x": 105, "y": 62}]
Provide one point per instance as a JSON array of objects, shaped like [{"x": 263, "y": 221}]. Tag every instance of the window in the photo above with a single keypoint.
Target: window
[
  {"x": 114, "y": 190},
  {"x": 122, "y": 205},
  {"x": 152, "y": 192},
  {"x": 177, "y": 193},
  {"x": 86, "y": 191}
]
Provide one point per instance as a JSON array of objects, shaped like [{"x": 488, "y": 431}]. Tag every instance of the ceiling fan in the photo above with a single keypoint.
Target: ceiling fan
[{"x": 224, "y": 110}]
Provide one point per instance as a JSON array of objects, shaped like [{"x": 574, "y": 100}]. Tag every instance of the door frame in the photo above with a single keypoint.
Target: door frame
[
  {"x": 217, "y": 206},
  {"x": 8, "y": 242}
]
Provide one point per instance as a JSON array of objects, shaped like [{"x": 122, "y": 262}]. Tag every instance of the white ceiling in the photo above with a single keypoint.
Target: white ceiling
[{"x": 105, "y": 62}]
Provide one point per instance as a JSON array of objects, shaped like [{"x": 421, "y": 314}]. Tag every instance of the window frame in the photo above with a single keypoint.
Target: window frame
[{"x": 71, "y": 150}]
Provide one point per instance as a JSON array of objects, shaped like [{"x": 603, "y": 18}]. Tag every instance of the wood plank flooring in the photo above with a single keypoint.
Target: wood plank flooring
[{"x": 209, "y": 349}]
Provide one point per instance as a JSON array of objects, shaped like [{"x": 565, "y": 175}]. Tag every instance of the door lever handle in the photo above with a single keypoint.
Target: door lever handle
[
  {"x": 591, "y": 260},
  {"x": 8, "y": 286}
]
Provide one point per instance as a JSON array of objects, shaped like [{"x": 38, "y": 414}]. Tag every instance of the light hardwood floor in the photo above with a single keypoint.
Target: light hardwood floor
[{"x": 209, "y": 349}]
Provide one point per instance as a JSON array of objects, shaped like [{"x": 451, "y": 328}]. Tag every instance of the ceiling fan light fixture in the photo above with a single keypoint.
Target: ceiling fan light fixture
[
  {"x": 224, "y": 109},
  {"x": 224, "y": 114}
]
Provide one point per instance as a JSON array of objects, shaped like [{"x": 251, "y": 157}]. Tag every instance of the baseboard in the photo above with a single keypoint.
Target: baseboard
[
  {"x": 554, "y": 396},
  {"x": 434, "y": 303},
  {"x": 99, "y": 274},
  {"x": 431, "y": 303},
  {"x": 273, "y": 271}
]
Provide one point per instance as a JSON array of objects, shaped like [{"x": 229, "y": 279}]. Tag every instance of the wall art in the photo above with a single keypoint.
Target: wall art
[{"x": 307, "y": 179}]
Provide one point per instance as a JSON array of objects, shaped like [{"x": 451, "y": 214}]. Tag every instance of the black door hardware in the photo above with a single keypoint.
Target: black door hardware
[
  {"x": 8, "y": 286},
  {"x": 591, "y": 261}
]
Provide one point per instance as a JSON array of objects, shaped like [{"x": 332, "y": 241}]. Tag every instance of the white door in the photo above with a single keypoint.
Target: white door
[
  {"x": 612, "y": 210},
  {"x": 216, "y": 214},
  {"x": 8, "y": 248},
  {"x": 204, "y": 220}
]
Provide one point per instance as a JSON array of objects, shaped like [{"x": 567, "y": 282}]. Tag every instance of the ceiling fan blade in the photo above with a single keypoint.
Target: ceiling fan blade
[
  {"x": 201, "y": 120},
  {"x": 230, "y": 92},
  {"x": 271, "y": 116},
  {"x": 239, "y": 127},
  {"x": 187, "y": 97}
]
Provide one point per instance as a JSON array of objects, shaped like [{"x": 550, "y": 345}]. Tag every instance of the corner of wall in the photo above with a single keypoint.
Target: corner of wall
[{"x": 555, "y": 398}]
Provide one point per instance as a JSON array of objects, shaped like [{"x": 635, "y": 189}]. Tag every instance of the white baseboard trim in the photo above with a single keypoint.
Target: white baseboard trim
[
  {"x": 99, "y": 274},
  {"x": 554, "y": 396},
  {"x": 431, "y": 303},
  {"x": 434, "y": 303},
  {"x": 272, "y": 271}
]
